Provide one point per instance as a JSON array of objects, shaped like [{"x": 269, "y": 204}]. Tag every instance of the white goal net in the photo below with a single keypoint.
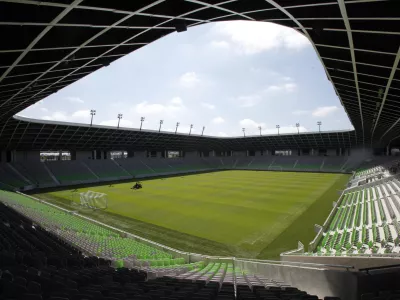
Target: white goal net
[{"x": 94, "y": 200}]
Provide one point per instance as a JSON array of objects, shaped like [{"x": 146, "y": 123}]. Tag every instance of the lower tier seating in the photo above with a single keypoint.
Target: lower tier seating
[{"x": 39, "y": 262}]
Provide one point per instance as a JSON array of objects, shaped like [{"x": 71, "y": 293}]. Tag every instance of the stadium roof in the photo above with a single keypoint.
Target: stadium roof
[
  {"x": 28, "y": 134},
  {"x": 49, "y": 45}
]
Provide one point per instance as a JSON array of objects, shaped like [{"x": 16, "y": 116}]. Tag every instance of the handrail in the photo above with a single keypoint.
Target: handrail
[
  {"x": 189, "y": 253},
  {"x": 379, "y": 268},
  {"x": 283, "y": 262}
]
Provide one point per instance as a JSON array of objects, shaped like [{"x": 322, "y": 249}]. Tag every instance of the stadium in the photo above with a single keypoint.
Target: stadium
[{"x": 107, "y": 212}]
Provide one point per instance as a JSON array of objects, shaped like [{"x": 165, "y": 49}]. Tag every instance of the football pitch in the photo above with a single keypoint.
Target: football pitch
[{"x": 241, "y": 213}]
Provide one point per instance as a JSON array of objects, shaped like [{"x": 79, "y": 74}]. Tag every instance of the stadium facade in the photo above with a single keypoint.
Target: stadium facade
[{"x": 48, "y": 45}]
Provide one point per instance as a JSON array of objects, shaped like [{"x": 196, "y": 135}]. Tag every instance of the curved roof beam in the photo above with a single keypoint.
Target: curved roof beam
[
  {"x": 40, "y": 36},
  {"x": 346, "y": 21},
  {"x": 389, "y": 83}
]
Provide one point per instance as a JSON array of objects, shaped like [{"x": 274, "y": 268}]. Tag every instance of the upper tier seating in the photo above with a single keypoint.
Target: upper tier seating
[
  {"x": 309, "y": 163},
  {"x": 70, "y": 172},
  {"x": 261, "y": 162},
  {"x": 106, "y": 169},
  {"x": 283, "y": 162},
  {"x": 53, "y": 173},
  {"x": 35, "y": 172},
  {"x": 158, "y": 165},
  {"x": 244, "y": 162},
  {"x": 9, "y": 178},
  {"x": 334, "y": 163},
  {"x": 134, "y": 166},
  {"x": 187, "y": 164}
]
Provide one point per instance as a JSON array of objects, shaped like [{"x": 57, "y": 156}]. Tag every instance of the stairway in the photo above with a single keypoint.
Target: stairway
[
  {"x": 90, "y": 170},
  {"x": 51, "y": 174},
  {"x": 127, "y": 173},
  {"x": 19, "y": 174}
]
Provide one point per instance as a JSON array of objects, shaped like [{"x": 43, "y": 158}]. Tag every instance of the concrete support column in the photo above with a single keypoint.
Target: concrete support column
[
  {"x": 73, "y": 154},
  {"x": 3, "y": 157}
]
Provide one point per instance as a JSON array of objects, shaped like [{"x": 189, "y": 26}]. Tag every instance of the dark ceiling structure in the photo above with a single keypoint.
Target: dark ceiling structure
[
  {"x": 29, "y": 134},
  {"x": 47, "y": 45}
]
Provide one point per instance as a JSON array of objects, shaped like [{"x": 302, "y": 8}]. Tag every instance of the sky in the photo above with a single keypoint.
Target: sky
[{"x": 225, "y": 76}]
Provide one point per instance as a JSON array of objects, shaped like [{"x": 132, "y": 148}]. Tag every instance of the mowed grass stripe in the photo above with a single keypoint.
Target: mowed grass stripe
[{"x": 244, "y": 210}]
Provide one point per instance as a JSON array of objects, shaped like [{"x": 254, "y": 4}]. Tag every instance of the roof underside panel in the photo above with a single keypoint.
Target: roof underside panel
[{"x": 51, "y": 44}]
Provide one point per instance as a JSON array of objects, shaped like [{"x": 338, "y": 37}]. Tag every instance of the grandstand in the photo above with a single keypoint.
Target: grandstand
[{"x": 48, "y": 252}]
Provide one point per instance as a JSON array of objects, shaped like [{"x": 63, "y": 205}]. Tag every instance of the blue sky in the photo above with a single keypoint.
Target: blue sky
[{"x": 224, "y": 76}]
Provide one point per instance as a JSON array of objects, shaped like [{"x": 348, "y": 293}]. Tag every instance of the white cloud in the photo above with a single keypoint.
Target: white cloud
[
  {"x": 56, "y": 116},
  {"x": 207, "y": 105},
  {"x": 81, "y": 114},
  {"x": 256, "y": 37},
  {"x": 44, "y": 109},
  {"x": 176, "y": 101},
  {"x": 172, "y": 107},
  {"x": 287, "y": 78},
  {"x": 254, "y": 99},
  {"x": 300, "y": 112},
  {"x": 290, "y": 87},
  {"x": 250, "y": 124},
  {"x": 220, "y": 44},
  {"x": 324, "y": 111},
  {"x": 123, "y": 123},
  {"x": 189, "y": 80},
  {"x": 218, "y": 120},
  {"x": 249, "y": 100},
  {"x": 75, "y": 100},
  {"x": 286, "y": 87}
]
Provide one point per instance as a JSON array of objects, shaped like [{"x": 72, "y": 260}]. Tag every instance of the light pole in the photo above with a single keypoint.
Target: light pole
[
  {"x": 298, "y": 129},
  {"x": 319, "y": 123},
  {"x": 259, "y": 127},
  {"x": 244, "y": 132},
  {"x": 141, "y": 122},
  {"x": 190, "y": 131},
  {"x": 119, "y": 119},
  {"x": 278, "y": 126},
  {"x": 204, "y": 127},
  {"x": 177, "y": 125},
  {"x": 93, "y": 113},
  {"x": 161, "y": 122}
]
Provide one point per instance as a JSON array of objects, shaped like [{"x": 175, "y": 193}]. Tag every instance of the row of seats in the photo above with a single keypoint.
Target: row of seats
[
  {"x": 375, "y": 166},
  {"x": 37, "y": 263},
  {"x": 365, "y": 221},
  {"x": 53, "y": 173}
]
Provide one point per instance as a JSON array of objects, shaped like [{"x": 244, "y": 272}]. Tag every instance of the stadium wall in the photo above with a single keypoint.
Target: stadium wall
[
  {"x": 140, "y": 154},
  {"x": 20, "y": 156},
  {"x": 191, "y": 154},
  {"x": 317, "y": 280},
  {"x": 358, "y": 262},
  {"x": 239, "y": 153},
  {"x": 83, "y": 155}
]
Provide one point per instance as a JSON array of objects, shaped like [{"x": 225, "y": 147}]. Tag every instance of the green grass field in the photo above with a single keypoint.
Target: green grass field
[{"x": 241, "y": 213}]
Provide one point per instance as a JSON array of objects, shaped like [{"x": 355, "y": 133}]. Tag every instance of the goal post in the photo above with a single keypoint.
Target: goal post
[{"x": 94, "y": 200}]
